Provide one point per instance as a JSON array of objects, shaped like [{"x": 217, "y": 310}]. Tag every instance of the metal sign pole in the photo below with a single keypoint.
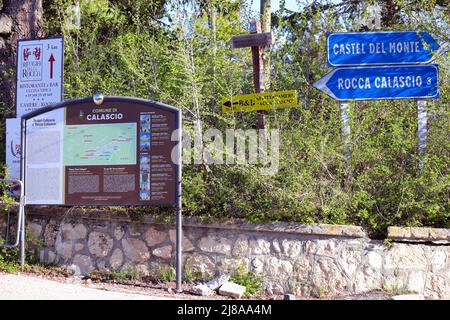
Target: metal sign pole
[
  {"x": 422, "y": 120},
  {"x": 345, "y": 121},
  {"x": 179, "y": 220},
  {"x": 22, "y": 191},
  {"x": 22, "y": 235},
  {"x": 179, "y": 257}
]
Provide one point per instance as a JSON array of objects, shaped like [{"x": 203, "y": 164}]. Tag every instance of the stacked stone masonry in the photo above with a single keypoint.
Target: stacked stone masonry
[{"x": 307, "y": 260}]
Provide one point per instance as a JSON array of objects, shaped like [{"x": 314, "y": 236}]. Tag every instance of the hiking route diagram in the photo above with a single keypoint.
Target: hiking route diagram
[{"x": 100, "y": 144}]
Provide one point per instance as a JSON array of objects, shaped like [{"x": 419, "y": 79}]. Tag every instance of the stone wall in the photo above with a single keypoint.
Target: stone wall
[{"x": 308, "y": 260}]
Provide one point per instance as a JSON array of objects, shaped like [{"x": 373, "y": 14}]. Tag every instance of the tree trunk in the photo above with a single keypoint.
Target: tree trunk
[
  {"x": 266, "y": 26},
  {"x": 212, "y": 27},
  {"x": 390, "y": 15},
  {"x": 19, "y": 19}
]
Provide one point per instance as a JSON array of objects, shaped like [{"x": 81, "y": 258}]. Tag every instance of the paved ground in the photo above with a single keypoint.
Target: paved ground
[
  {"x": 32, "y": 286},
  {"x": 25, "y": 287}
]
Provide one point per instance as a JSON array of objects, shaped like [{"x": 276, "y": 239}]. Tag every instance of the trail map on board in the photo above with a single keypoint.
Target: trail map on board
[{"x": 100, "y": 144}]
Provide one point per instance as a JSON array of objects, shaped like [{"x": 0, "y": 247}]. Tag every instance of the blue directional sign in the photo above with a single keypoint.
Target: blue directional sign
[
  {"x": 388, "y": 82},
  {"x": 380, "y": 48}
]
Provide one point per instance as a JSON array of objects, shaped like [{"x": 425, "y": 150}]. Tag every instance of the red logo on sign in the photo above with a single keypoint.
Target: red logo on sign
[
  {"x": 37, "y": 53},
  {"x": 26, "y": 54}
]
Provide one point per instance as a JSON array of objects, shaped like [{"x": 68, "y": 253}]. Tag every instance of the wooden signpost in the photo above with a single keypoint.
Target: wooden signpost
[{"x": 256, "y": 40}]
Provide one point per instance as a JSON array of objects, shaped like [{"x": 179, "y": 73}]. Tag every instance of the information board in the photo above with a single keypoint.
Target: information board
[{"x": 121, "y": 152}]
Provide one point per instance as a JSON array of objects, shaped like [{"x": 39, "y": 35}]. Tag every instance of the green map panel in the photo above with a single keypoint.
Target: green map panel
[{"x": 100, "y": 144}]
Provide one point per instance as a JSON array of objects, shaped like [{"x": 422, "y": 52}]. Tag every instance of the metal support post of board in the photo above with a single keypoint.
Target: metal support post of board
[
  {"x": 22, "y": 192},
  {"x": 422, "y": 120},
  {"x": 179, "y": 257},
  {"x": 345, "y": 122},
  {"x": 22, "y": 237},
  {"x": 179, "y": 218}
]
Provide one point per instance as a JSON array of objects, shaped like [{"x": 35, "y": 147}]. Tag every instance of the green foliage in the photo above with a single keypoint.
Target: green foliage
[
  {"x": 8, "y": 256},
  {"x": 5, "y": 199},
  {"x": 166, "y": 273},
  {"x": 190, "y": 275},
  {"x": 120, "y": 276},
  {"x": 162, "y": 273},
  {"x": 8, "y": 259},
  {"x": 387, "y": 242},
  {"x": 396, "y": 291},
  {"x": 322, "y": 291},
  {"x": 252, "y": 282}
]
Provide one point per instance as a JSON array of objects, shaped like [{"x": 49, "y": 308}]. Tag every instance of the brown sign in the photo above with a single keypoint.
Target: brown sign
[{"x": 116, "y": 153}]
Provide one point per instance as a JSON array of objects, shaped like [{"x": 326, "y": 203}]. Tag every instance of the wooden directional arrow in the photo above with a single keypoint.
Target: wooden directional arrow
[{"x": 252, "y": 40}]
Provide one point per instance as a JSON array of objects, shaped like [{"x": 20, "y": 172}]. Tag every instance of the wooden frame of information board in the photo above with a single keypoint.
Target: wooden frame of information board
[{"x": 90, "y": 143}]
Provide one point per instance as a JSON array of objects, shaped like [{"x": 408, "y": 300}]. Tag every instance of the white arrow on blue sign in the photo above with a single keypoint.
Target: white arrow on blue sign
[
  {"x": 375, "y": 83},
  {"x": 380, "y": 48}
]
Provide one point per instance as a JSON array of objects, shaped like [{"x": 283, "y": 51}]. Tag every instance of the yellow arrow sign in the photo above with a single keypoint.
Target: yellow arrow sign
[{"x": 259, "y": 101}]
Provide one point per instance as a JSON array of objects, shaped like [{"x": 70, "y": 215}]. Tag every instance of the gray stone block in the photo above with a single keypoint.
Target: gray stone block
[
  {"x": 202, "y": 290},
  {"x": 231, "y": 289},
  {"x": 217, "y": 282}
]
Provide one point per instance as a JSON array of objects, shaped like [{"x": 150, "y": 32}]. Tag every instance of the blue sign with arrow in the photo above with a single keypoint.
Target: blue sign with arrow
[
  {"x": 381, "y": 82},
  {"x": 380, "y": 48}
]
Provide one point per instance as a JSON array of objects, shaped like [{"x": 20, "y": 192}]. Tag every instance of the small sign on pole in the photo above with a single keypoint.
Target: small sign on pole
[
  {"x": 39, "y": 83},
  {"x": 39, "y": 74},
  {"x": 380, "y": 48},
  {"x": 259, "y": 101},
  {"x": 381, "y": 82}
]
